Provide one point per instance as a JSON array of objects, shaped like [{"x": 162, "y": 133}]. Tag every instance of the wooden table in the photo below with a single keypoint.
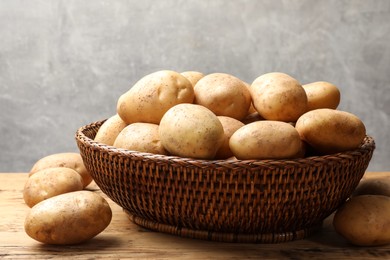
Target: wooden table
[{"x": 124, "y": 240}]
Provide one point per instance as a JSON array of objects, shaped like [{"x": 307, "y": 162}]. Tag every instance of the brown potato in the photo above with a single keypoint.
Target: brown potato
[
  {"x": 190, "y": 130},
  {"x": 278, "y": 96},
  {"x": 224, "y": 95},
  {"x": 373, "y": 186},
  {"x": 68, "y": 160},
  {"x": 330, "y": 131},
  {"x": 364, "y": 220},
  {"x": 69, "y": 218},
  {"x": 51, "y": 182},
  {"x": 141, "y": 137},
  {"x": 266, "y": 140},
  {"x": 193, "y": 76},
  {"x": 109, "y": 130},
  {"x": 230, "y": 125},
  {"x": 322, "y": 94},
  {"x": 149, "y": 99}
]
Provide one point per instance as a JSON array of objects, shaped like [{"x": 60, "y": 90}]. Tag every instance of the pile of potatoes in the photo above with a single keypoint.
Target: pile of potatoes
[
  {"x": 219, "y": 116},
  {"x": 62, "y": 210}
]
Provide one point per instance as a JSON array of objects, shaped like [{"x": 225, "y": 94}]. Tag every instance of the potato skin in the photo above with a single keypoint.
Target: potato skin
[
  {"x": 278, "y": 96},
  {"x": 266, "y": 140},
  {"x": 50, "y": 182},
  {"x": 224, "y": 95},
  {"x": 230, "y": 125},
  {"x": 68, "y": 218},
  {"x": 373, "y": 186},
  {"x": 190, "y": 130},
  {"x": 193, "y": 76},
  {"x": 153, "y": 95},
  {"x": 68, "y": 160},
  {"x": 322, "y": 94},
  {"x": 141, "y": 137},
  {"x": 109, "y": 130},
  {"x": 364, "y": 220},
  {"x": 331, "y": 131}
]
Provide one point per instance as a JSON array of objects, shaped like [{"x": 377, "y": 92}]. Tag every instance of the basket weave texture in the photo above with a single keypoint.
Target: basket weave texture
[{"x": 256, "y": 201}]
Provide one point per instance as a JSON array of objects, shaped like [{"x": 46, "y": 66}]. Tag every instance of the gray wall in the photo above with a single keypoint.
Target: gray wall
[{"x": 63, "y": 64}]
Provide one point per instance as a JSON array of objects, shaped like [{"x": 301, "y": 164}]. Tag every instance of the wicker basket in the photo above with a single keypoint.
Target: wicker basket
[{"x": 266, "y": 201}]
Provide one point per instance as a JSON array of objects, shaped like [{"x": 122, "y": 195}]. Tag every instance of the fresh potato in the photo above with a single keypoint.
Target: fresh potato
[
  {"x": 50, "y": 182},
  {"x": 252, "y": 118},
  {"x": 330, "y": 131},
  {"x": 190, "y": 130},
  {"x": 364, "y": 220},
  {"x": 266, "y": 140},
  {"x": 251, "y": 109},
  {"x": 373, "y": 186},
  {"x": 322, "y": 94},
  {"x": 109, "y": 130},
  {"x": 68, "y": 160},
  {"x": 69, "y": 218},
  {"x": 193, "y": 76},
  {"x": 278, "y": 96},
  {"x": 153, "y": 95},
  {"x": 141, "y": 137},
  {"x": 224, "y": 95},
  {"x": 230, "y": 125}
]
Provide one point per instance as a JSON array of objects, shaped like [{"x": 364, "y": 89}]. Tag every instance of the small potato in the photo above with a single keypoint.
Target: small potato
[
  {"x": 373, "y": 186},
  {"x": 50, "y": 182},
  {"x": 331, "y": 131},
  {"x": 69, "y": 218},
  {"x": 68, "y": 160},
  {"x": 266, "y": 140},
  {"x": 322, "y": 94},
  {"x": 193, "y": 76},
  {"x": 109, "y": 130},
  {"x": 190, "y": 130},
  {"x": 278, "y": 96},
  {"x": 149, "y": 99},
  {"x": 141, "y": 137},
  {"x": 230, "y": 125},
  {"x": 224, "y": 95},
  {"x": 364, "y": 220}
]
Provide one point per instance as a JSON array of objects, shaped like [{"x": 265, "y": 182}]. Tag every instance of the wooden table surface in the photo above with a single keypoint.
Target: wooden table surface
[{"x": 125, "y": 240}]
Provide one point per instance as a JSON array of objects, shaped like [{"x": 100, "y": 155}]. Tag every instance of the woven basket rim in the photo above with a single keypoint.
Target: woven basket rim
[{"x": 367, "y": 145}]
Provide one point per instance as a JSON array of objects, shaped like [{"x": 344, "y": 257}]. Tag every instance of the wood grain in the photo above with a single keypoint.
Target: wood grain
[{"x": 125, "y": 240}]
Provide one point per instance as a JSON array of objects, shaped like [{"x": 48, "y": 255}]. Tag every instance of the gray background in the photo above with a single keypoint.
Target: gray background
[{"x": 63, "y": 64}]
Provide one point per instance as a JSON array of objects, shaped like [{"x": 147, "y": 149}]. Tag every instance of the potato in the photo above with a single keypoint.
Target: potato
[
  {"x": 373, "y": 186},
  {"x": 266, "y": 140},
  {"x": 251, "y": 109},
  {"x": 193, "y": 76},
  {"x": 68, "y": 160},
  {"x": 364, "y": 220},
  {"x": 141, "y": 137},
  {"x": 190, "y": 130},
  {"x": 252, "y": 118},
  {"x": 278, "y": 96},
  {"x": 109, "y": 130},
  {"x": 322, "y": 94},
  {"x": 153, "y": 95},
  {"x": 69, "y": 218},
  {"x": 224, "y": 95},
  {"x": 50, "y": 182},
  {"x": 330, "y": 131},
  {"x": 230, "y": 125}
]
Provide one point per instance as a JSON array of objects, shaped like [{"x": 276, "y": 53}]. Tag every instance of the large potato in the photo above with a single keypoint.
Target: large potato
[
  {"x": 68, "y": 218},
  {"x": 266, "y": 140},
  {"x": 50, "y": 182},
  {"x": 230, "y": 125},
  {"x": 193, "y": 76},
  {"x": 153, "y": 95},
  {"x": 364, "y": 220},
  {"x": 373, "y": 186},
  {"x": 190, "y": 130},
  {"x": 110, "y": 129},
  {"x": 322, "y": 94},
  {"x": 278, "y": 96},
  {"x": 141, "y": 137},
  {"x": 223, "y": 94},
  {"x": 330, "y": 131},
  {"x": 68, "y": 160}
]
